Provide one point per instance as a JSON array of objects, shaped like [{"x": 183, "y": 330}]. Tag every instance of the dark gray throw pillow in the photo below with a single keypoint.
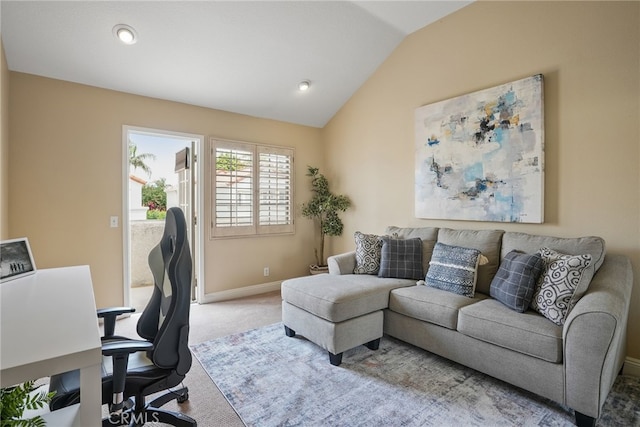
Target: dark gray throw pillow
[
  {"x": 401, "y": 258},
  {"x": 515, "y": 281}
]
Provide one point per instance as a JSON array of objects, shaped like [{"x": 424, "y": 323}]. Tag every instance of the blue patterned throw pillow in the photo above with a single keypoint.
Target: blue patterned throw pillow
[
  {"x": 454, "y": 269},
  {"x": 563, "y": 274},
  {"x": 401, "y": 259},
  {"x": 515, "y": 281}
]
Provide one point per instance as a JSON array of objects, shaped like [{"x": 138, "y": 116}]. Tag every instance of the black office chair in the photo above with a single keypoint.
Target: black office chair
[{"x": 133, "y": 369}]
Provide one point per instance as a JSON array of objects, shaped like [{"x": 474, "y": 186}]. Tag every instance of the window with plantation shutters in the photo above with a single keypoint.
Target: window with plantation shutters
[
  {"x": 274, "y": 188},
  {"x": 252, "y": 189}
]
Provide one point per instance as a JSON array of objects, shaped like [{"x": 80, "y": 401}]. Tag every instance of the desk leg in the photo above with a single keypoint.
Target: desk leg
[{"x": 91, "y": 396}]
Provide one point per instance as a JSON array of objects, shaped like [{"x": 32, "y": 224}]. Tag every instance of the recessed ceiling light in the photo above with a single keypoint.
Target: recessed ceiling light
[
  {"x": 304, "y": 85},
  {"x": 125, "y": 34}
]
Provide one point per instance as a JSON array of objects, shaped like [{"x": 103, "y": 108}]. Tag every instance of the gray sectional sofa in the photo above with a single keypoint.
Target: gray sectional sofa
[{"x": 573, "y": 360}]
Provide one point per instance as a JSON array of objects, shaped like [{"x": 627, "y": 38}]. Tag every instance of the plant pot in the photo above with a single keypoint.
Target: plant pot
[{"x": 318, "y": 269}]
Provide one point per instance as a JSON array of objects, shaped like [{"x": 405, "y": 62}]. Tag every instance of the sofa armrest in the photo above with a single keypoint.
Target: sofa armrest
[
  {"x": 342, "y": 263},
  {"x": 594, "y": 337}
]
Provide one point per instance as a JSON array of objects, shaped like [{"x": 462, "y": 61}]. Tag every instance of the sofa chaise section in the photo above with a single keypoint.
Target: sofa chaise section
[{"x": 337, "y": 312}]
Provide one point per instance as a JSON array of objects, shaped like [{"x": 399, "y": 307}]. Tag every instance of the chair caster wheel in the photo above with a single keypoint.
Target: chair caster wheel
[{"x": 183, "y": 398}]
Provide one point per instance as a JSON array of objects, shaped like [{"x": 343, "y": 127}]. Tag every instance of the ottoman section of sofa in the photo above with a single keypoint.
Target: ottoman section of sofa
[
  {"x": 337, "y": 312},
  {"x": 335, "y": 337},
  {"x": 339, "y": 298}
]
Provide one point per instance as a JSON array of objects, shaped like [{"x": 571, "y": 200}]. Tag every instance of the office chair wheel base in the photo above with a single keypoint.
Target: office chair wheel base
[{"x": 182, "y": 398}]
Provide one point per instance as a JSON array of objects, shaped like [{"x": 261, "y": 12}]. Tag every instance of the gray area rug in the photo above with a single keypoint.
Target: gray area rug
[{"x": 273, "y": 380}]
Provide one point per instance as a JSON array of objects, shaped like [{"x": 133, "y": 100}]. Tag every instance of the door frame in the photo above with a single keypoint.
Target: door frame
[{"x": 198, "y": 245}]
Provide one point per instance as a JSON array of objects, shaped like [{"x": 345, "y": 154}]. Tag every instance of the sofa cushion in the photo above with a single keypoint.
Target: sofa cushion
[
  {"x": 516, "y": 279},
  {"x": 454, "y": 269},
  {"x": 401, "y": 258},
  {"x": 486, "y": 241},
  {"x": 531, "y": 243},
  {"x": 430, "y": 304},
  {"x": 565, "y": 279},
  {"x": 368, "y": 247},
  {"x": 338, "y": 298},
  {"x": 428, "y": 235},
  {"x": 528, "y": 332}
]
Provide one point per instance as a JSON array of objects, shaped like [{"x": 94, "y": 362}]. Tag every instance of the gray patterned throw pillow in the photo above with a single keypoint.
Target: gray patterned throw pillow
[
  {"x": 562, "y": 276},
  {"x": 368, "y": 248},
  {"x": 454, "y": 269}
]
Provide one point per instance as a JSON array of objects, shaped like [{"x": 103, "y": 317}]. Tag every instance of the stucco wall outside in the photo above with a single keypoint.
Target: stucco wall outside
[{"x": 144, "y": 236}]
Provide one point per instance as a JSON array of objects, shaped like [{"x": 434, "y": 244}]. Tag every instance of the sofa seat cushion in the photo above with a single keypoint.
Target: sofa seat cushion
[
  {"x": 430, "y": 304},
  {"x": 338, "y": 298},
  {"x": 528, "y": 332}
]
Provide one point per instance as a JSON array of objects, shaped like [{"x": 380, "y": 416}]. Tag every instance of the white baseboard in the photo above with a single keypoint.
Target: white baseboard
[
  {"x": 242, "y": 292},
  {"x": 631, "y": 367}
]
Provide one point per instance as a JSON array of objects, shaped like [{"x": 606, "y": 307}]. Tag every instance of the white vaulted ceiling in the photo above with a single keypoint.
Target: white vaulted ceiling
[{"x": 245, "y": 57}]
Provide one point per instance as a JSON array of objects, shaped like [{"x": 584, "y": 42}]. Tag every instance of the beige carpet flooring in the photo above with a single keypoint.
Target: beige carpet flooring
[{"x": 208, "y": 321}]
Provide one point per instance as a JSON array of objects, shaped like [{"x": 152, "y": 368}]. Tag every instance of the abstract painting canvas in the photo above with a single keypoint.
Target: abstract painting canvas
[{"x": 480, "y": 156}]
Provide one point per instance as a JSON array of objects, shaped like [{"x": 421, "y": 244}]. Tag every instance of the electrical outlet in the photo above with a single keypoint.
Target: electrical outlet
[
  {"x": 266, "y": 271},
  {"x": 114, "y": 222}
]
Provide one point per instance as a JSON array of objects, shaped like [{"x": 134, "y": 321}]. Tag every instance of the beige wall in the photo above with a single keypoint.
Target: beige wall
[
  {"x": 66, "y": 174},
  {"x": 589, "y": 56},
  {"x": 4, "y": 145}
]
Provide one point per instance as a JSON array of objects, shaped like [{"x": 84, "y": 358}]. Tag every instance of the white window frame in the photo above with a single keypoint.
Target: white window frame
[{"x": 254, "y": 228}]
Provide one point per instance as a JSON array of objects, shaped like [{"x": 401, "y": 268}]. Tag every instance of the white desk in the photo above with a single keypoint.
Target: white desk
[{"x": 48, "y": 326}]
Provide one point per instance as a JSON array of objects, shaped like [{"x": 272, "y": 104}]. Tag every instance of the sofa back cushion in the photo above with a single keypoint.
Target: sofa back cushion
[
  {"x": 488, "y": 242},
  {"x": 429, "y": 236},
  {"x": 531, "y": 243}
]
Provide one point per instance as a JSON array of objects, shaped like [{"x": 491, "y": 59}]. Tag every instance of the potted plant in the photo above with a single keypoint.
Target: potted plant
[
  {"x": 323, "y": 209},
  {"x": 15, "y": 400}
]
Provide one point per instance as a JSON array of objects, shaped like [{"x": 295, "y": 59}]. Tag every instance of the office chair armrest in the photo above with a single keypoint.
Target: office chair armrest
[
  {"x": 119, "y": 352},
  {"x": 125, "y": 347},
  {"x": 109, "y": 315}
]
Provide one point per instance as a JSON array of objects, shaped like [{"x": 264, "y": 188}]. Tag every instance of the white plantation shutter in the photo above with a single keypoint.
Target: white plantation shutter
[
  {"x": 275, "y": 190},
  {"x": 252, "y": 189},
  {"x": 233, "y": 188}
]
